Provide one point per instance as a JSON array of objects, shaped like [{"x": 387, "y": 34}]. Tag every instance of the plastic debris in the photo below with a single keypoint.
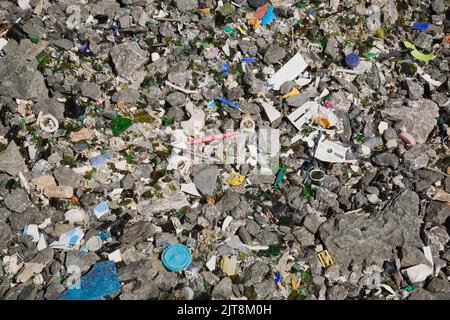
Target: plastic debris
[
  {"x": 417, "y": 54},
  {"x": 176, "y": 257},
  {"x": 420, "y": 26},
  {"x": 325, "y": 258},
  {"x": 228, "y": 265},
  {"x": 101, "y": 209},
  {"x": 101, "y": 281},
  {"x": 288, "y": 72},
  {"x": 68, "y": 239}
]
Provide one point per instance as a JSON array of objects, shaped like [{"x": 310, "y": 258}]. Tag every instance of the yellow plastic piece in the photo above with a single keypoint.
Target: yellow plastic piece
[
  {"x": 322, "y": 121},
  {"x": 236, "y": 180},
  {"x": 292, "y": 93},
  {"x": 205, "y": 10},
  {"x": 254, "y": 22},
  {"x": 294, "y": 284},
  {"x": 417, "y": 54},
  {"x": 241, "y": 30},
  {"x": 325, "y": 258}
]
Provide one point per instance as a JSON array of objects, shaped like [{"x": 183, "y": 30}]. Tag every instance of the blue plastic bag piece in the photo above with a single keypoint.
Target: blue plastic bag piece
[
  {"x": 231, "y": 104},
  {"x": 420, "y": 26},
  {"x": 248, "y": 60},
  {"x": 101, "y": 281},
  {"x": 268, "y": 17},
  {"x": 100, "y": 160},
  {"x": 83, "y": 249},
  {"x": 224, "y": 69}
]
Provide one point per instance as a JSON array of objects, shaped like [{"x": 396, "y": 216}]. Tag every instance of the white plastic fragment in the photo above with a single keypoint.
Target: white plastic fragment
[
  {"x": 190, "y": 188},
  {"x": 382, "y": 127},
  {"x": 94, "y": 243},
  {"x": 211, "y": 264},
  {"x": 418, "y": 273},
  {"x": 24, "y": 4},
  {"x": 115, "y": 256},
  {"x": 76, "y": 216},
  {"x": 3, "y": 43},
  {"x": 334, "y": 152},
  {"x": 291, "y": 70},
  {"x": 101, "y": 209},
  {"x": 226, "y": 222},
  {"x": 303, "y": 114},
  {"x": 47, "y": 123},
  {"x": 272, "y": 113},
  {"x": 174, "y": 86},
  {"x": 42, "y": 244},
  {"x": 68, "y": 239},
  {"x": 32, "y": 230}
]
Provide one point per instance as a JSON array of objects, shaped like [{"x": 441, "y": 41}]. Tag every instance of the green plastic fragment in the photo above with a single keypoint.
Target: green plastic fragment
[
  {"x": 228, "y": 28},
  {"x": 120, "y": 124},
  {"x": 409, "y": 288},
  {"x": 41, "y": 57},
  {"x": 33, "y": 38},
  {"x": 143, "y": 117},
  {"x": 22, "y": 122},
  {"x": 273, "y": 251},
  {"x": 417, "y": 54},
  {"x": 227, "y": 9},
  {"x": 167, "y": 121},
  {"x": 303, "y": 292},
  {"x": 360, "y": 137},
  {"x": 280, "y": 175},
  {"x": 306, "y": 191}
]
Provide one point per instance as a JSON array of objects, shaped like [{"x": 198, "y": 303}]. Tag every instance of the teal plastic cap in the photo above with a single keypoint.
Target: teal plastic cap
[{"x": 176, "y": 257}]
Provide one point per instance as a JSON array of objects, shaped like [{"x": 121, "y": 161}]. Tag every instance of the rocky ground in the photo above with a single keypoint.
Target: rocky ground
[{"x": 98, "y": 103}]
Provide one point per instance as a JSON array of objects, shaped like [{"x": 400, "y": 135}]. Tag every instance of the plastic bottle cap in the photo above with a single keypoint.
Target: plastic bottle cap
[
  {"x": 94, "y": 243},
  {"x": 352, "y": 60},
  {"x": 176, "y": 257}
]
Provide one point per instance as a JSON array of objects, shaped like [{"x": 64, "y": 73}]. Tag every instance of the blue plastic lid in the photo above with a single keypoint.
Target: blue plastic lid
[
  {"x": 352, "y": 60},
  {"x": 176, "y": 257}
]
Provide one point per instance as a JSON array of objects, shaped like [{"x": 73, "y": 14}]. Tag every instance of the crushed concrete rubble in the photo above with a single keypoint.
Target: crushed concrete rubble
[{"x": 227, "y": 150}]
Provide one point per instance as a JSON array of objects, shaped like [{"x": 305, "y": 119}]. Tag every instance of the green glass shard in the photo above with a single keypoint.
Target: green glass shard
[
  {"x": 120, "y": 124},
  {"x": 143, "y": 117},
  {"x": 306, "y": 191},
  {"x": 167, "y": 121},
  {"x": 33, "y": 38}
]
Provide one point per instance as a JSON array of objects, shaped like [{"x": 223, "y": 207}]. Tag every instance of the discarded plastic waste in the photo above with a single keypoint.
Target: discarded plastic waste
[
  {"x": 317, "y": 176},
  {"x": 325, "y": 258},
  {"x": 101, "y": 281},
  {"x": 94, "y": 244},
  {"x": 120, "y": 124},
  {"x": 177, "y": 257},
  {"x": 420, "y": 26},
  {"x": 352, "y": 60},
  {"x": 101, "y": 209},
  {"x": 288, "y": 72}
]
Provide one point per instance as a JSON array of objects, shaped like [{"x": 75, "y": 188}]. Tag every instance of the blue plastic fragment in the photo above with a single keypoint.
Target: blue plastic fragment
[
  {"x": 115, "y": 29},
  {"x": 83, "y": 249},
  {"x": 420, "y": 26},
  {"x": 352, "y": 60},
  {"x": 176, "y": 257},
  {"x": 224, "y": 69},
  {"x": 268, "y": 17},
  {"x": 100, "y": 160},
  {"x": 248, "y": 60},
  {"x": 84, "y": 48},
  {"x": 277, "y": 277},
  {"x": 231, "y": 104},
  {"x": 101, "y": 281},
  {"x": 103, "y": 235}
]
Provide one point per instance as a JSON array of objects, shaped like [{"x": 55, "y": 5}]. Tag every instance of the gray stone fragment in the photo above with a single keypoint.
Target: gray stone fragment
[
  {"x": 18, "y": 200},
  {"x": 11, "y": 160},
  {"x": 204, "y": 178},
  {"x": 128, "y": 58}
]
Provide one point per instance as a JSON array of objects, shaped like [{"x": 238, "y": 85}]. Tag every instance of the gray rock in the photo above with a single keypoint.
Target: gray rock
[
  {"x": 18, "y": 200},
  {"x": 176, "y": 99},
  {"x": 244, "y": 235},
  {"x": 266, "y": 238},
  {"x": 337, "y": 292},
  {"x": 11, "y": 160},
  {"x": 166, "y": 280},
  {"x": 144, "y": 290},
  {"x": 312, "y": 223},
  {"x": 137, "y": 232},
  {"x": 424, "y": 41},
  {"x": 129, "y": 96},
  {"x": 332, "y": 48},
  {"x": 186, "y": 6},
  {"x": 128, "y": 58},
  {"x": 20, "y": 78},
  {"x": 264, "y": 290},
  {"x": 29, "y": 216},
  {"x": 223, "y": 289},
  {"x": 417, "y": 157},
  {"x": 373, "y": 239},
  {"x": 252, "y": 227},
  {"x": 274, "y": 54},
  {"x": 439, "y": 6},
  {"x": 415, "y": 90},
  {"x": 204, "y": 178},
  {"x": 412, "y": 256},
  {"x": 141, "y": 269},
  {"x": 67, "y": 177},
  {"x": 53, "y": 291},
  {"x": 417, "y": 122},
  {"x": 81, "y": 260},
  {"x": 386, "y": 160},
  {"x": 303, "y": 236},
  {"x": 50, "y": 106},
  {"x": 90, "y": 90},
  {"x": 256, "y": 273},
  {"x": 5, "y": 235},
  {"x": 439, "y": 285}
]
